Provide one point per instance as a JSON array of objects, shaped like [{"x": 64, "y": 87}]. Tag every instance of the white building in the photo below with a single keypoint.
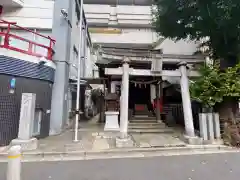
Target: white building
[
  {"x": 30, "y": 62},
  {"x": 128, "y": 24}
]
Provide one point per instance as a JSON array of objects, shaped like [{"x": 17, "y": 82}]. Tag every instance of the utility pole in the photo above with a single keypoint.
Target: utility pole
[
  {"x": 80, "y": 7},
  {"x": 61, "y": 31}
]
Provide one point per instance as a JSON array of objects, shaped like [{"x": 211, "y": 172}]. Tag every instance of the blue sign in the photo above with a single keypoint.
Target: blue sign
[{"x": 12, "y": 83}]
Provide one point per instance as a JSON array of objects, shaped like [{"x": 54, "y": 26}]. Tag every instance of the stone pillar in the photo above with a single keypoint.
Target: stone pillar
[
  {"x": 210, "y": 129},
  {"x": 124, "y": 99},
  {"x": 203, "y": 126},
  {"x": 152, "y": 92},
  {"x": 216, "y": 124},
  {"x": 187, "y": 108},
  {"x": 158, "y": 103},
  {"x": 26, "y": 123},
  {"x": 113, "y": 86}
]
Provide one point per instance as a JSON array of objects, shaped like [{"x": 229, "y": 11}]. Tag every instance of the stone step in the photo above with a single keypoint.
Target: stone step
[
  {"x": 163, "y": 130},
  {"x": 143, "y": 121},
  {"x": 144, "y": 112},
  {"x": 146, "y": 124},
  {"x": 147, "y": 127},
  {"x": 143, "y": 118}
]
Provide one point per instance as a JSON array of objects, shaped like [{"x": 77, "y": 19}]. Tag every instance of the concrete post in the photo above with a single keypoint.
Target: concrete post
[
  {"x": 113, "y": 86},
  {"x": 216, "y": 125},
  {"x": 158, "y": 102},
  {"x": 14, "y": 163},
  {"x": 210, "y": 129},
  {"x": 124, "y": 99},
  {"x": 26, "y": 123},
  {"x": 203, "y": 126},
  {"x": 61, "y": 31},
  {"x": 152, "y": 92},
  {"x": 187, "y": 108},
  {"x": 26, "y": 116}
]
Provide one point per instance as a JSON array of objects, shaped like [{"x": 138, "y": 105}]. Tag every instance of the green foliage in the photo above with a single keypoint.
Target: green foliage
[
  {"x": 231, "y": 82},
  {"x": 207, "y": 87},
  {"x": 213, "y": 85},
  {"x": 196, "y": 19}
]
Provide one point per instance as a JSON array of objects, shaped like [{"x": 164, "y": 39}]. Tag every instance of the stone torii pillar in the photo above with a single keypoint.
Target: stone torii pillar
[
  {"x": 124, "y": 99},
  {"x": 124, "y": 140},
  {"x": 187, "y": 108}
]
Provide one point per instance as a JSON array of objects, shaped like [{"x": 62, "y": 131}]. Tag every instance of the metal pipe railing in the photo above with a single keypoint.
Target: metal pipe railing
[{"x": 8, "y": 35}]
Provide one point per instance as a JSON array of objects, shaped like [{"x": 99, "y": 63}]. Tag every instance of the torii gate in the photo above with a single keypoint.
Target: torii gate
[{"x": 182, "y": 72}]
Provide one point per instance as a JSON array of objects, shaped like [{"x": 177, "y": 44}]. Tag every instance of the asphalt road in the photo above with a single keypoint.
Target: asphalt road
[{"x": 192, "y": 167}]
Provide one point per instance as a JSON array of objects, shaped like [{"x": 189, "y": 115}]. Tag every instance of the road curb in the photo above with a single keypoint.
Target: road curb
[{"x": 123, "y": 152}]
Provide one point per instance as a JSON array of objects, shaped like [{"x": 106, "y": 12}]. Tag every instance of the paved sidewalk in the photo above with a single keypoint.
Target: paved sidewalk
[
  {"x": 96, "y": 141},
  {"x": 98, "y": 145},
  {"x": 93, "y": 140}
]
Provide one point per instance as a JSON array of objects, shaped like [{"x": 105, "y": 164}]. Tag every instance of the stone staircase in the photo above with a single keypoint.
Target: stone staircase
[{"x": 147, "y": 124}]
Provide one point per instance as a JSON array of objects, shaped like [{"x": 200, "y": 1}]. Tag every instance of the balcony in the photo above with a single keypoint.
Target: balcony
[
  {"x": 13, "y": 42},
  {"x": 12, "y": 3}
]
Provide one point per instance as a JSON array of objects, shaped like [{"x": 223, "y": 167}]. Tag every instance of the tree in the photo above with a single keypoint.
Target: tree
[
  {"x": 207, "y": 88},
  {"x": 218, "y": 20},
  {"x": 213, "y": 85}
]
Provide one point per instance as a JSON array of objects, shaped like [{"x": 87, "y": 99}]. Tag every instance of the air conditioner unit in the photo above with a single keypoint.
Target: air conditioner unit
[{"x": 156, "y": 65}]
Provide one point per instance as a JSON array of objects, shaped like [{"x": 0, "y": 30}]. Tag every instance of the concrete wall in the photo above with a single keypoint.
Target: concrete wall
[
  {"x": 133, "y": 21},
  {"x": 35, "y": 14},
  {"x": 120, "y": 15},
  {"x": 184, "y": 47},
  {"x": 137, "y": 37}
]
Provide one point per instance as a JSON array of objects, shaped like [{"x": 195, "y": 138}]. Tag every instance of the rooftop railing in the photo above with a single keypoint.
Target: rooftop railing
[{"x": 25, "y": 45}]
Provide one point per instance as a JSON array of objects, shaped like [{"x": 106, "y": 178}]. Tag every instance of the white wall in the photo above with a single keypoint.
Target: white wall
[
  {"x": 134, "y": 37},
  {"x": 137, "y": 17},
  {"x": 140, "y": 18},
  {"x": 74, "y": 48},
  {"x": 34, "y": 14},
  {"x": 88, "y": 64},
  {"x": 184, "y": 47},
  {"x": 119, "y": 15}
]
